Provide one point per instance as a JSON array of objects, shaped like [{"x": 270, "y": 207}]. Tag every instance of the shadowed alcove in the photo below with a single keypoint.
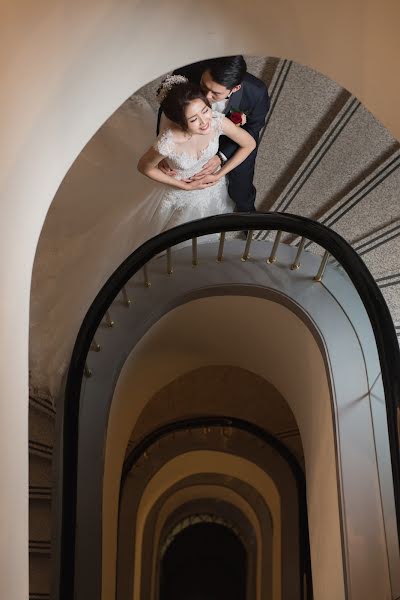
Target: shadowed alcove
[{"x": 204, "y": 561}]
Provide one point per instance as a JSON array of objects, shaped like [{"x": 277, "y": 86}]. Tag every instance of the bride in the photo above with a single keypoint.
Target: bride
[{"x": 189, "y": 140}]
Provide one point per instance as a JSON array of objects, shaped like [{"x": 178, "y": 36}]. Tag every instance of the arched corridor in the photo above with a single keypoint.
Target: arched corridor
[{"x": 205, "y": 560}]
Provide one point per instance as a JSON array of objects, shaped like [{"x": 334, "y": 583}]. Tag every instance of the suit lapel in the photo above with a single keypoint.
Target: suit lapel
[{"x": 234, "y": 100}]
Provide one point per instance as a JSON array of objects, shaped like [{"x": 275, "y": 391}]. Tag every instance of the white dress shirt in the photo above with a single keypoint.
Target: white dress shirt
[{"x": 220, "y": 107}]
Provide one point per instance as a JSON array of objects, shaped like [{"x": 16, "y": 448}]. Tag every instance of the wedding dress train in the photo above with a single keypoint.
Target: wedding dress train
[{"x": 103, "y": 210}]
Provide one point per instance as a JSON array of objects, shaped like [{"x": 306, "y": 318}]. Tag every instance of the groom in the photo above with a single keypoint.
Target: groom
[{"x": 230, "y": 89}]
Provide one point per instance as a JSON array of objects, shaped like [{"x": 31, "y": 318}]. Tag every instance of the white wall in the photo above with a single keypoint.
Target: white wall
[{"x": 65, "y": 68}]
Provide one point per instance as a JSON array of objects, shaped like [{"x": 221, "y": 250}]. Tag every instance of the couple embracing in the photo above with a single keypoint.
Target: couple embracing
[{"x": 211, "y": 114}]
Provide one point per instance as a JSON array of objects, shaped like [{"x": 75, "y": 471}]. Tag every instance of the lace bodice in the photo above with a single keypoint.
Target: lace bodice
[{"x": 183, "y": 162}]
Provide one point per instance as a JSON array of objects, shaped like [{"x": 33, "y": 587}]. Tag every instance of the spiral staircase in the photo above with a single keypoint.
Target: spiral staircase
[{"x": 322, "y": 155}]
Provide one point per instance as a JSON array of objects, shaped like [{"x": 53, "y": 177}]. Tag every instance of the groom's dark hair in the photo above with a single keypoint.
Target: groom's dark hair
[
  {"x": 228, "y": 71},
  {"x": 177, "y": 99}
]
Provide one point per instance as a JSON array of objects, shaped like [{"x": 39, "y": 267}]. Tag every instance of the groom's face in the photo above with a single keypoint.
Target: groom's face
[{"x": 213, "y": 90}]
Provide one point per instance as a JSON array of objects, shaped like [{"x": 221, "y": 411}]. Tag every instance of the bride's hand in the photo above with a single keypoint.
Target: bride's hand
[
  {"x": 165, "y": 168},
  {"x": 209, "y": 168},
  {"x": 201, "y": 184},
  {"x": 210, "y": 179}
]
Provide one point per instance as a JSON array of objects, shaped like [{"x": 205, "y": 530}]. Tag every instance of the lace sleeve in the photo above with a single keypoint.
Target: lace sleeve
[
  {"x": 218, "y": 122},
  {"x": 164, "y": 144}
]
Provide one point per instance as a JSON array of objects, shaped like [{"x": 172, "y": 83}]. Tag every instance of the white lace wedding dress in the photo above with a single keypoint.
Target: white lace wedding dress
[
  {"x": 105, "y": 198},
  {"x": 179, "y": 206}
]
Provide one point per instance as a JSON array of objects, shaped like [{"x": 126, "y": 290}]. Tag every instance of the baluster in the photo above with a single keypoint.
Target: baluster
[
  {"x": 109, "y": 320},
  {"x": 146, "y": 277},
  {"x": 296, "y": 264},
  {"x": 221, "y": 247},
  {"x": 194, "y": 252},
  {"x": 272, "y": 257},
  {"x": 125, "y": 296},
  {"x": 95, "y": 346},
  {"x": 322, "y": 266},
  {"x": 170, "y": 270},
  {"x": 246, "y": 252}
]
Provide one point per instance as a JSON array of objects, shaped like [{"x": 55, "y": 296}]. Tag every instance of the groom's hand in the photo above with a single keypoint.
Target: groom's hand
[
  {"x": 209, "y": 168},
  {"x": 165, "y": 168}
]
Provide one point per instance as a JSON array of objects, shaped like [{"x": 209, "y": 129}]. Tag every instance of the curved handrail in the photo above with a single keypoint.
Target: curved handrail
[{"x": 364, "y": 283}]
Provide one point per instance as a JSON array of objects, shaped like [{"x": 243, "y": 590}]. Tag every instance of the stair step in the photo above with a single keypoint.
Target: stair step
[
  {"x": 380, "y": 192},
  {"x": 362, "y": 152},
  {"x": 39, "y": 596},
  {"x": 39, "y": 521},
  {"x": 389, "y": 285},
  {"x": 377, "y": 238},
  {"x": 388, "y": 280},
  {"x": 381, "y": 250},
  {"x": 39, "y": 449},
  {"x": 40, "y": 470},
  {"x": 39, "y": 575},
  {"x": 39, "y": 547},
  {"x": 304, "y": 107},
  {"x": 263, "y": 68},
  {"x": 281, "y": 71},
  {"x": 41, "y": 427},
  {"x": 42, "y": 404},
  {"x": 371, "y": 205},
  {"x": 40, "y": 492},
  {"x": 291, "y": 200}
]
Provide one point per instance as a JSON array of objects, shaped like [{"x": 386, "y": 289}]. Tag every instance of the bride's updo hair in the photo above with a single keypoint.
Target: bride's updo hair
[{"x": 174, "y": 94}]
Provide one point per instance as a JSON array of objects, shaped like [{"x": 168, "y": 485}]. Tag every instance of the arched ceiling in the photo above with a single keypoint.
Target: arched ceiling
[{"x": 222, "y": 390}]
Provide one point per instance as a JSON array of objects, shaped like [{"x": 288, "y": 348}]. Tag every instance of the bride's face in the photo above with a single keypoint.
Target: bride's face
[{"x": 198, "y": 117}]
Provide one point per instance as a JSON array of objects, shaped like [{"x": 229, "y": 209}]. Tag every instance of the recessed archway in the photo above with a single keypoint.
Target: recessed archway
[{"x": 205, "y": 561}]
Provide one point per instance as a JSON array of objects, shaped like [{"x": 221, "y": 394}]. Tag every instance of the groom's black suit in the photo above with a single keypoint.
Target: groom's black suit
[{"x": 252, "y": 99}]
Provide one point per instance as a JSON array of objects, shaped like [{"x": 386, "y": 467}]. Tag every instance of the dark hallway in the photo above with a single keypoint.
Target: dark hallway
[{"x": 207, "y": 561}]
